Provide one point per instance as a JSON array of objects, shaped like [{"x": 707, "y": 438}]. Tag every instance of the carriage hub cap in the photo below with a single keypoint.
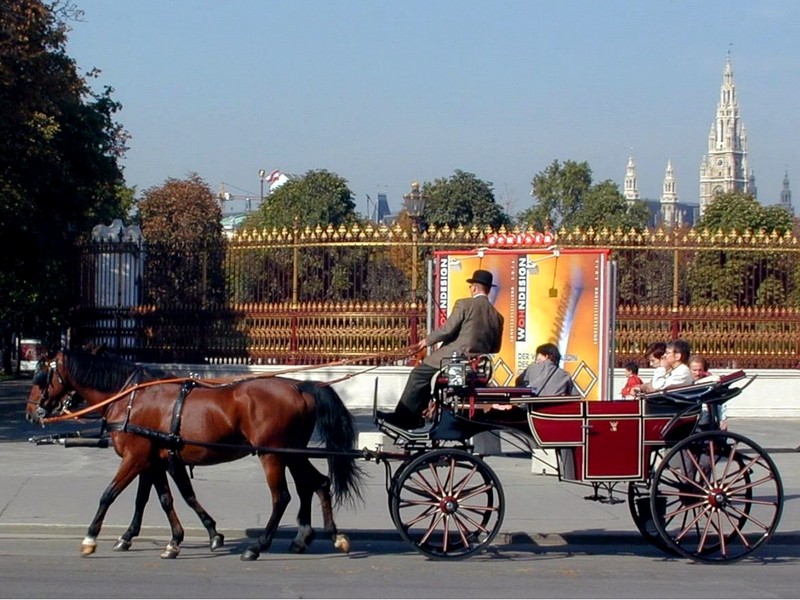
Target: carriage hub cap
[
  {"x": 717, "y": 498},
  {"x": 448, "y": 505}
]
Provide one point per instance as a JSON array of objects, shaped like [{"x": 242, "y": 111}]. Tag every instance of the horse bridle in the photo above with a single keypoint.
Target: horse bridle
[{"x": 41, "y": 412}]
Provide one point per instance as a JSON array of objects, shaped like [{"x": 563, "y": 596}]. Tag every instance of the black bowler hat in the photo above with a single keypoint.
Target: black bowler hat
[{"x": 482, "y": 277}]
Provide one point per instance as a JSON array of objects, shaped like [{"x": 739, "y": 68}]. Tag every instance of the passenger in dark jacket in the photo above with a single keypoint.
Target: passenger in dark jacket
[{"x": 544, "y": 376}]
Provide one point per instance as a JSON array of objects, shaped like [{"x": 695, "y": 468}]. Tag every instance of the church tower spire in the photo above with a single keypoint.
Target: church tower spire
[
  {"x": 724, "y": 168},
  {"x": 786, "y": 194},
  {"x": 631, "y": 187},
  {"x": 669, "y": 199}
]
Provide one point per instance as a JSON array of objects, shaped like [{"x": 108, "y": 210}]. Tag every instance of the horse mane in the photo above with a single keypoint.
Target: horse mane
[{"x": 106, "y": 372}]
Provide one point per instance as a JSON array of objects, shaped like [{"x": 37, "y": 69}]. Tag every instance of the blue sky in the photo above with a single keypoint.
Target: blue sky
[{"x": 384, "y": 93}]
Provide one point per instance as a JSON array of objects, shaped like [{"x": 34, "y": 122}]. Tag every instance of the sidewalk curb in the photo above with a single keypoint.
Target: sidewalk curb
[{"x": 576, "y": 538}]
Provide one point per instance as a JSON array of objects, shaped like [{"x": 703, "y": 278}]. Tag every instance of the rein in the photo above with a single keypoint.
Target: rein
[{"x": 222, "y": 382}]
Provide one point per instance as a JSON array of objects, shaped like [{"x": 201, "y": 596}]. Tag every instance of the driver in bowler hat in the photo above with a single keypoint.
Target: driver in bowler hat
[{"x": 474, "y": 327}]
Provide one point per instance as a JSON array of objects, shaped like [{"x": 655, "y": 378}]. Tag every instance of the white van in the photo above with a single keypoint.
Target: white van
[{"x": 30, "y": 351}]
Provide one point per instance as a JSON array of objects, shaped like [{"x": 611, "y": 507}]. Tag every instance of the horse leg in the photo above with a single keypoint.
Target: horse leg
[
  {"x": 165, "y": 497},
  {"x": 126, "y": 473},
  {"x": 319, "y": 483},
  {"x": 305, "y": 533},
  {"x": 275, "y": 472},
  {"x": 181, "y": 478},
  {"x": 142, "y": 496}
]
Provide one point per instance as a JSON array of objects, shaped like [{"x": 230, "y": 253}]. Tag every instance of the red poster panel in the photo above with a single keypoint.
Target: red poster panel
[{"x": 558, "y": 296}]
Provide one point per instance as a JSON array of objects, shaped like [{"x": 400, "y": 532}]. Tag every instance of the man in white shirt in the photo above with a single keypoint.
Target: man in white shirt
[{"x": 675, "y": 359}]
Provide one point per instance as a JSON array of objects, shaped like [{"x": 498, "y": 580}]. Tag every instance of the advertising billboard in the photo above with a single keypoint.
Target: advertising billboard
[{"x": 562, "y": 296}]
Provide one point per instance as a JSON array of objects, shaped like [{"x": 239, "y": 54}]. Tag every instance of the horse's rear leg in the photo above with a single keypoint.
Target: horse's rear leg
[
  {"x": 275, "y": 473},
  {"x": 181, "y": 478},
  {"x": 309, "y": 480},
  {"x": 142, "y": 496},
  {"x": 305, "y": 482}
]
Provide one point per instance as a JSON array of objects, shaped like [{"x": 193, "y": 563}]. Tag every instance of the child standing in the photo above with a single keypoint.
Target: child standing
[{"x": 632, "y": 373}]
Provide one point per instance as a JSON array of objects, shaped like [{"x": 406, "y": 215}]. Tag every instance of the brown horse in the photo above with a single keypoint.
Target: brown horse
[
  {"x": 205, "y": 424},
  {"x": 121, "y": 374}
]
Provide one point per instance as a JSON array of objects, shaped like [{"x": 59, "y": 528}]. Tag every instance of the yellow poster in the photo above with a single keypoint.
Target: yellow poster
[{"x": 549, "y": 295}]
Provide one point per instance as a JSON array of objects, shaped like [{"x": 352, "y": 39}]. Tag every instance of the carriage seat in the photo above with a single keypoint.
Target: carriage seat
[{"x": 702, "y": 390}]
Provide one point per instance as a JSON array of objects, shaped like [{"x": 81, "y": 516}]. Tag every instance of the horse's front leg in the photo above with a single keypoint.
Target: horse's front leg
[
  {"x": 165, "y": 497},
  {"x": 127, "y": 471},
  {"x": 142, "y": 496},
  {"x": 181, "y": 478},
  {"x": 275, "y": 473}
]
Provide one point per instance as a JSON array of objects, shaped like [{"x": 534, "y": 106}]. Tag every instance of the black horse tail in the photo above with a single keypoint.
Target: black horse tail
[{"x": 337, "y": 429}]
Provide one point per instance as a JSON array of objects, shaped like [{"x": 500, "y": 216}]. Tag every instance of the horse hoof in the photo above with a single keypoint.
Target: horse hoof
[
  {"x": 249, "y": 554},
  {"x": 171, "y": 551},
  {"x": 342, "y": 543},
  {"x": 297, "y": 547},
  {"x": 122, "y": 545},
  {"x": 88, "y": 549},
  {"x": 217, "y": 542}
]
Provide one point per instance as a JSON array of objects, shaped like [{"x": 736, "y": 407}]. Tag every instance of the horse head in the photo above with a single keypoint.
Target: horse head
[{"x": 50, "y": 394}]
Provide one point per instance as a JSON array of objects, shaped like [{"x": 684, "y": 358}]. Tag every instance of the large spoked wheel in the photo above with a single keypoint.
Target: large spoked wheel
[
  {"x": 716, "y": 497},
  {"x": 639, "y": 506},
  {"x": 447, "y": 503}
]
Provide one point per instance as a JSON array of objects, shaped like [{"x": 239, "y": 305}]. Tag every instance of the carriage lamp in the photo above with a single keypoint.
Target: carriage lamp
[{"x": 456, "y": 373}]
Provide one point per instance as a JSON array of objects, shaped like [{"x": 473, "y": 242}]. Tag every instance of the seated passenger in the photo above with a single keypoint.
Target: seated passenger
[
  {"x": 700, "y": 373},
  {"x": 675, "y": 360},
  {"x": 544, "y": 376},
  {"x": 633, "y": 380}
]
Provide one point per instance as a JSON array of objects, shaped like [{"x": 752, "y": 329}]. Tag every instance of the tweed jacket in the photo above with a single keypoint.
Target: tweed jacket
[{"x": 474, "y": 327}]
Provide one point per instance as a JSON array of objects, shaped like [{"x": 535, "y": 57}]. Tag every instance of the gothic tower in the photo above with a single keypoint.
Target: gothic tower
[
  {"x": 724, "y": 167},
  {"x": 631, "y": 187},
  {"x": 786, "y": 194},
  {"x": 669, "y": 199}
]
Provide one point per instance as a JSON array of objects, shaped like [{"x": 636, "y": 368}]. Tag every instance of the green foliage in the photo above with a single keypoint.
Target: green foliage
[
  {"x": 180, "y": 222},
  {"x": 735, "y": 211},
  {"x": 59, "y": 175},
  {"x": 463, "y": 199},
  {"x": 559, "y": 192},
  {"x": 317, "y": 198},
  {"x": 738, "y": 278},
  {"x": 566, "y": 197}
]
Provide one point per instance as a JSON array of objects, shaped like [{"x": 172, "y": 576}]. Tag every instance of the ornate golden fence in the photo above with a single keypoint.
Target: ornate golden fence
[{"x": 317, "y": 295}]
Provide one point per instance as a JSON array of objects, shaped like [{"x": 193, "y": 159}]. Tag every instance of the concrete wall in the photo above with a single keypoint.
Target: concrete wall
[{"x": 773, "y": 392}]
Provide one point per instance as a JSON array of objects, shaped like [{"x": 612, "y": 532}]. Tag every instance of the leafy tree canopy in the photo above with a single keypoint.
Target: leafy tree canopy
[
  {"x": 738, "y": 211},
  {"x": 462, "y": 199},
  {"x": 59, "y": 171},
  {"x": 181, "y": 222},
  {"x": 565, "y": 196},
  {"x": 317, "y": 198},
  {"x": 180, "y": 212}
]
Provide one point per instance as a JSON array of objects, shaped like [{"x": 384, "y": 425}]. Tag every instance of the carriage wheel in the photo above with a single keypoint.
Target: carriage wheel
[
  {"x": 447, "y": 503},
  {"x": 639, "y": 505},
  {"x": 720, "y": 495}
]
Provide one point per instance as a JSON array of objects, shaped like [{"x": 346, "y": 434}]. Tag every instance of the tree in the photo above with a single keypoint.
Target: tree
[
  {"x": 462, "y": 199},
  {"x": 59, "y": 172},
  {"x": 605, "y": 206},
  {"x": 736, "y": 211},
  {"x": 566, "y": 197},
  {"x": 317, "y": 198},
  {"x": 559, "y": 192},
  {"x": 181, "y": 223},
  {"x": 746, "y": 277}
]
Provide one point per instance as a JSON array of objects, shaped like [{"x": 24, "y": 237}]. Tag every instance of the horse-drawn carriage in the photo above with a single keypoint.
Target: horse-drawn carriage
[
  {"x": 709, "y": 495},
  {"x": 706, "y": 494}
]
